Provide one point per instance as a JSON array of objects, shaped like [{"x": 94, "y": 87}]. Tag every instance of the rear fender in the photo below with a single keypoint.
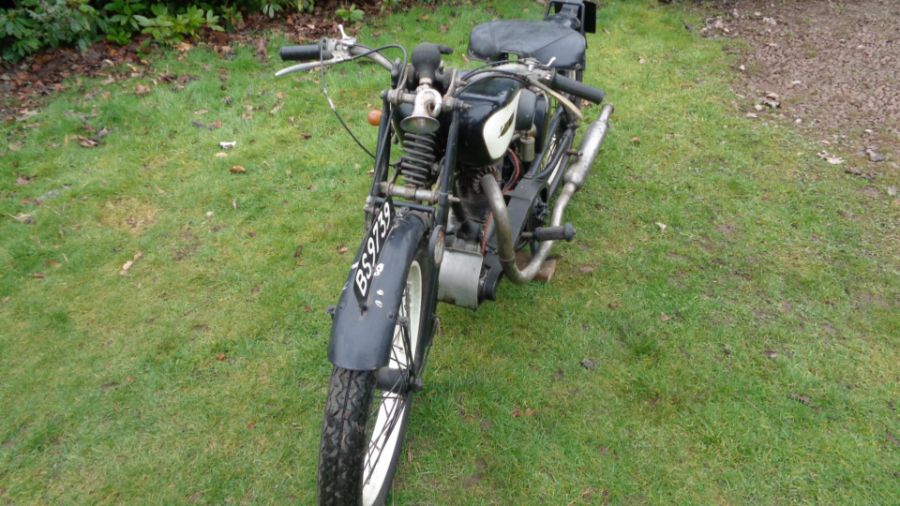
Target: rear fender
[{"x": 361, "y": 336}]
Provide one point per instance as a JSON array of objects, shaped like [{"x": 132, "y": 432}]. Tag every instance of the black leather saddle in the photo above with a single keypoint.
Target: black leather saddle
[{"x": 542, "y": 40}]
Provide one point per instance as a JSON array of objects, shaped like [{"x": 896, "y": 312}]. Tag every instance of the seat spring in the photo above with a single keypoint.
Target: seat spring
[{"x": 417, "y": 167}]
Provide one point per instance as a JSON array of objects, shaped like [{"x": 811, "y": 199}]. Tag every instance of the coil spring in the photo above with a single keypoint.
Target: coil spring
[{"x": 417, "y": 167}]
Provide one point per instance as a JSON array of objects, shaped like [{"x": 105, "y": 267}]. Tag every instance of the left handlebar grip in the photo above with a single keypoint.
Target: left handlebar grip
[{"x": 307, "y": 52}]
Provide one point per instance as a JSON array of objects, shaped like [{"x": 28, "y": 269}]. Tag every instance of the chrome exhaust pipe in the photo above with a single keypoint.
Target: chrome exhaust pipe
[{"x": 573, "y": 180}]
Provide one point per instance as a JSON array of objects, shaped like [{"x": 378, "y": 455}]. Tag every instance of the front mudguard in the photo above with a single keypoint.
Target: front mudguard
[{"x": 361, "y": 336}]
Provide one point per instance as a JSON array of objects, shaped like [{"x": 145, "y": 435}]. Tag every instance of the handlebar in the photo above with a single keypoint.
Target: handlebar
[
  {"x": 307, "y": 52},
  {"x": 579, "y": 89}
]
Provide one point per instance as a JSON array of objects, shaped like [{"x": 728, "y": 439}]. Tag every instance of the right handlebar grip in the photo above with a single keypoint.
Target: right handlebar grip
[
  {"x": 579, "y": 89},
  {"x": 307, "y": 52}
]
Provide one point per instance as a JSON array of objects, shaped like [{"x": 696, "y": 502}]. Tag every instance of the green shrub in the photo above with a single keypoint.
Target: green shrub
[{"x": 33, "y": 24}]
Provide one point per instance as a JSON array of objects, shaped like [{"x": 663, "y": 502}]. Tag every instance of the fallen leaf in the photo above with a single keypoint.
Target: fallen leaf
[
  {"x": 664, "y": 317},
  {"x": 306, "y": 135},
  {"x": 227, "y": 144},
  {"x": 22, "y": 180},
  {"x": 184, "y": 46},
  {"x": 641, "y": 60},
  {"x": 129, "y": 264},
  {"x": 27, "y": 219},
  {"x": 586, "y": 269},
  {"x": 874, "y": 156},
  {"x": 201, "y": 112},
  {"x": 251, "y": 425},
  {"x": 38, "y": 275},
  {"x": 892, "y": 191},
  {"x": 833, "y": 160},
  {"x": 262, "y": 51},
  {"x": 662, "y": 226},
  {"x": 14, "y": 146},
  {"x": 770, "y": 354},
  {"x": 141, "y": 90},
  {"x": 802, "y": 399},
  {"x": 221, "y": 357},
  {"x": 237, "y": 169},
  {"x": 86, "y": 143},
  {"x": 215, "y": 125},
  {"x": 53, "y": 263},
  {"x": 853, "y": 171},
  {"x": 635, "y": 140},
  {"x": 342, "y": 250},
  {"x": 588, "y": 364}
]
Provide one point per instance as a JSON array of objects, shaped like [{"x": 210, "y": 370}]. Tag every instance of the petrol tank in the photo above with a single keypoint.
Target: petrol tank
[{"x": 488, "y": 124}]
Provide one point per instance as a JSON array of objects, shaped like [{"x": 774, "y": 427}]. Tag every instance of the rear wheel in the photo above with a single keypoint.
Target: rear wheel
[{"x": 366, "y": 412}]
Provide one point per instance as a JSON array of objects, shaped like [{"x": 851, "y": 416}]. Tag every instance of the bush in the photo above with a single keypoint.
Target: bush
[
  {"x": 34, "y": 24},
  {"x": 28, "y": 26}
]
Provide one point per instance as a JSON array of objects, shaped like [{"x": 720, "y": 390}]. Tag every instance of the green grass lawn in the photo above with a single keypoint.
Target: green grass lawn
[{"x": 746, "y": 354}]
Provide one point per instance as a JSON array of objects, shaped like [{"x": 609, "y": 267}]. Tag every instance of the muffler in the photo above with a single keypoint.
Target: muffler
[{"x": 573, "y": 180}]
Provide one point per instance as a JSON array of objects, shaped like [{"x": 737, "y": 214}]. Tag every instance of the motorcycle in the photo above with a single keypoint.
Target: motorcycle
[{"x": 486, "y": 172}]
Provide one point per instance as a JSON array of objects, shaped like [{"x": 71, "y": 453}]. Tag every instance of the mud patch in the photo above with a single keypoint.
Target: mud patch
[
  {"x": 832, "y": 67},
  {"x": 128, "y": 214}
]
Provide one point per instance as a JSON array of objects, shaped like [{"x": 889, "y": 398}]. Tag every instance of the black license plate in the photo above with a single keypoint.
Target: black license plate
[{"x": 368, "y": 267}]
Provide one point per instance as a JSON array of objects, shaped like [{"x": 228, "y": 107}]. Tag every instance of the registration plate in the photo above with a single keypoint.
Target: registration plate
[{"x": 368, "y": 267}]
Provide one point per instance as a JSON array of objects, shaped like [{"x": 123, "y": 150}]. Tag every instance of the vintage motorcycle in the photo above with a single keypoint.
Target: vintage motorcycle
[{"x": 487, "y": 170}]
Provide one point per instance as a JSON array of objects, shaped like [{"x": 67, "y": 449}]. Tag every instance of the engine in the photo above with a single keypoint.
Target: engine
[{"x": 500, "y": 134}]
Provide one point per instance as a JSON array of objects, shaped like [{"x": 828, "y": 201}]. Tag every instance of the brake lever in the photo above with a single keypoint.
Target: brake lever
[{"x": 302, "y": 67}]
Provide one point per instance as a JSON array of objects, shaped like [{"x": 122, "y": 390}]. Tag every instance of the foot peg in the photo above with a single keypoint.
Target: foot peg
[{"x": 563, "y": 233}]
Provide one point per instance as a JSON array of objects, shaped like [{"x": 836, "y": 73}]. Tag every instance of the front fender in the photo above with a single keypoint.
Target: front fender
[{"x": 361, "y": 337}]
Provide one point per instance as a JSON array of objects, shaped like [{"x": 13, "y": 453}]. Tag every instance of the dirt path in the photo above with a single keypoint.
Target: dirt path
[{"x": 829, "y": 67}]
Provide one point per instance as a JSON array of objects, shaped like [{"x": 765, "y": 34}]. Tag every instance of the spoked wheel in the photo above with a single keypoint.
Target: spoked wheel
[{"x": 366, "y": 412}]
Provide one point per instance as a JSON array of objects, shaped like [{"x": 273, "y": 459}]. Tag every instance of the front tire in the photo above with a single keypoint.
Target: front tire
[{"x": 364, "y": 425}]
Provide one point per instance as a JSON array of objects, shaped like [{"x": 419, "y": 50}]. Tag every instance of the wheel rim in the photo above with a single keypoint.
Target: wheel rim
[{"x": 384, "y": 436}]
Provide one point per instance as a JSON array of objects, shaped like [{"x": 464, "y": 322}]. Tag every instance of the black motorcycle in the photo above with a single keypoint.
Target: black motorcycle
[{"x": 486, "y": 172}]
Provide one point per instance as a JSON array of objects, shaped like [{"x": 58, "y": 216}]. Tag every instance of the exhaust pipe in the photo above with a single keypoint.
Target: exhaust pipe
[{"x": 573, "y": 180}]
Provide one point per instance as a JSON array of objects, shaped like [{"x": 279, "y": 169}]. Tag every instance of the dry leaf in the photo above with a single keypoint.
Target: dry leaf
[
  {"x": 588, "y": 364},
  {"x": 237, "y": 169},
  {"x": 342, "y": 250},
  {"x": 662, "y": 226},
  {"x": 833, "y": 160},
  {"x": 27, "y": 219},
  {"x": 664, "y": 317},
  {"x": 770, "y": 354},
  {"x": 129, "y": 264},
  {"x": 141, "y": 90},
  {"x": 86, "y": 143}
]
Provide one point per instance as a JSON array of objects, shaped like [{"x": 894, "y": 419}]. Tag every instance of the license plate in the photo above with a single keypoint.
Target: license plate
[{"x": 368, "y": 267}]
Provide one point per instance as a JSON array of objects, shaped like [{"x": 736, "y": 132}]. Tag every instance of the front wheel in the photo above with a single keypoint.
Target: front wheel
[{"x": 366, "y": 412}]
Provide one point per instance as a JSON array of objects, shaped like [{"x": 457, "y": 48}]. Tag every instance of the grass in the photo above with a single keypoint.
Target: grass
[{"x": 747, "y": 354}]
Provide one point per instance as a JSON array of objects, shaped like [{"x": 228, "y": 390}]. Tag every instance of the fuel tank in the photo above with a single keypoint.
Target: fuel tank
[{"x": 487, "y": 126}]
